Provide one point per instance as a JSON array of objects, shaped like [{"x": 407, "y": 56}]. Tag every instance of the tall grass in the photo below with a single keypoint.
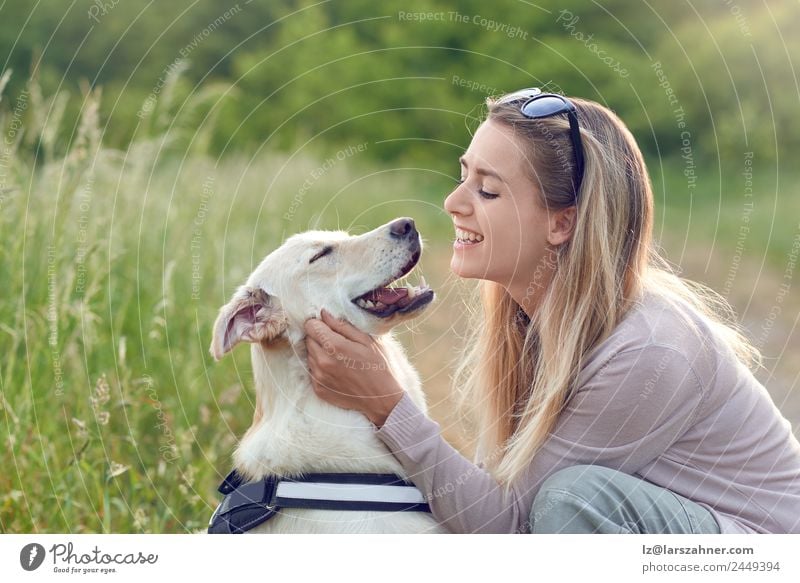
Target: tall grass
[{"x": 114, "y": 264}]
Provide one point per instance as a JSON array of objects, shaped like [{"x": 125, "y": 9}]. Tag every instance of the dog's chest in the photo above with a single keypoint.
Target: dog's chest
[{"x": 323, "y": 442}]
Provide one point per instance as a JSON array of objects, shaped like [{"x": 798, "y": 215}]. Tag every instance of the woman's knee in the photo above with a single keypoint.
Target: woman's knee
[
  {"x": 566, "y": 498},
  {"x": 582, "y": 479},
  {"x": 588, "y": 498}
]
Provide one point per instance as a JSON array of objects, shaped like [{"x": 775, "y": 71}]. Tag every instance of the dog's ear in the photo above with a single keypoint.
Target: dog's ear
[{"x": 252, "y": 315}]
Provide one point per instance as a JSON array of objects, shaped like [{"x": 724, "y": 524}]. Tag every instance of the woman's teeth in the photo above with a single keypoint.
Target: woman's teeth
[{"x": 468, "y": 237}]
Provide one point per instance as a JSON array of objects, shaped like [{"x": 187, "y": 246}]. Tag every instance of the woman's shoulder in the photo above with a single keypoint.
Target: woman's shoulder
[{"x": 655, "y": 321}]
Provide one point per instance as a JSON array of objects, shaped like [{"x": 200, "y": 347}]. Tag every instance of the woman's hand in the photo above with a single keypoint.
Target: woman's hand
[{"x": 348, "y": 368}]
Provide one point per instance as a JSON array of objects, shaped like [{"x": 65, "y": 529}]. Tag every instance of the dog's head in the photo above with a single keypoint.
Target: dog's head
[{"x": 349, "y": 276}]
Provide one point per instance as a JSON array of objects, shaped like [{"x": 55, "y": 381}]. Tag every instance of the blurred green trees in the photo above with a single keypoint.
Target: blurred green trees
[{"x": 403, "y": 75}]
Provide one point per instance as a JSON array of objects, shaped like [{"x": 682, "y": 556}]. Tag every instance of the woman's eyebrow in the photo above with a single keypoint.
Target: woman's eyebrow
[{"x": 482, "y": 171}]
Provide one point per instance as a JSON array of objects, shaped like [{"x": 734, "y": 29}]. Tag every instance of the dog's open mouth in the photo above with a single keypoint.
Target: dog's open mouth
[{"x": 383, "y": 301}]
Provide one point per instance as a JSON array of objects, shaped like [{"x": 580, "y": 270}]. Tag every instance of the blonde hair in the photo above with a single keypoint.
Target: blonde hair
[{"x": 515, "y": 373}]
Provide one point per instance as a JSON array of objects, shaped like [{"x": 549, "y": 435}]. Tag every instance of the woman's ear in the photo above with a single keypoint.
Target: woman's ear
[
  {"x": 561, "y": 225},
  {"x": 252, "y": 315}
]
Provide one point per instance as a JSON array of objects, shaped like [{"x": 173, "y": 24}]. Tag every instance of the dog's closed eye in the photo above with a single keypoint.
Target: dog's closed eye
[{"x": 325, "y": 250}]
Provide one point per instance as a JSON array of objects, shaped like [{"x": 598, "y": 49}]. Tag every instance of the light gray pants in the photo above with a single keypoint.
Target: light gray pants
[{"x": 595, "y": 499}]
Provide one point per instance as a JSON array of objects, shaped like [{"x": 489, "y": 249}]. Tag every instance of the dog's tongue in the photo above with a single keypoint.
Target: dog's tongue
[{"x": 390, "y": 295}]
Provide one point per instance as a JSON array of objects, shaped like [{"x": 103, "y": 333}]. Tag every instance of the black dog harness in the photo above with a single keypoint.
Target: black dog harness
[{"x": 248, "y": 504}]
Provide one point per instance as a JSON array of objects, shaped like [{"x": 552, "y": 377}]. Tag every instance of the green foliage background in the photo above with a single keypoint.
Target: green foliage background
[
  {"x": 152, "y": 151},
  {"x": 289, "y": 72}
]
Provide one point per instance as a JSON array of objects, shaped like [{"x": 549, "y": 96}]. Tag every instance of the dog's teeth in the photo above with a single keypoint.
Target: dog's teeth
[
  {"x": 412, "y": 291},
  {"x": 422, "y": 281},
  {"x": 379, "y": 305},
  {"x": 369, "y": 304}
]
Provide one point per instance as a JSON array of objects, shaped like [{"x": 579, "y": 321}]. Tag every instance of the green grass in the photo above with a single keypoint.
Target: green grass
[
  {"x": 716, "y": 213},
  {"x": 114, "y": 264}
]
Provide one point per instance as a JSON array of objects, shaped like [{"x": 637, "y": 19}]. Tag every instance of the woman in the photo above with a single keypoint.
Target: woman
[{"x": 611, "y": 395}]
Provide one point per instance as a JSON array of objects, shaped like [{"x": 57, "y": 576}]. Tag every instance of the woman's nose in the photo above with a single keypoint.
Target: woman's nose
[{"x": 456, "y": 202}]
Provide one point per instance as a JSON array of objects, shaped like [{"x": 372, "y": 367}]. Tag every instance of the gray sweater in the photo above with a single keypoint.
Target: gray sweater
[{"x": 655, "y": 400}]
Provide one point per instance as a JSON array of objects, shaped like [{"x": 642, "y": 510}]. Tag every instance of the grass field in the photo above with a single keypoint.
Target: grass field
[{"x": 114, "y": 417}]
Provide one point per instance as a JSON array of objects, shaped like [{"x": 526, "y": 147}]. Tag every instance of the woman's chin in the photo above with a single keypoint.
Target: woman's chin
[
  {"x": 463, "y": 271},
  {"x": 457, "y": 267}
]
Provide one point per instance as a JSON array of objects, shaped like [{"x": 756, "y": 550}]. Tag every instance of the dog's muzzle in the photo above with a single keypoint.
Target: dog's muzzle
[{"x": 246, "y": 505}]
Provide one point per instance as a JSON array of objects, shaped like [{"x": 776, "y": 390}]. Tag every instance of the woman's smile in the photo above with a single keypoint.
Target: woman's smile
[{"x": 465, "y": 239}]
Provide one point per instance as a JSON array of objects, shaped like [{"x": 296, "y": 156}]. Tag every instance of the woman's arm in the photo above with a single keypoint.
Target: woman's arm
[
  {"x": 623, "y": 417},
  {"x": 348, "y": 370},
  {"x": 462, "y": 496}
]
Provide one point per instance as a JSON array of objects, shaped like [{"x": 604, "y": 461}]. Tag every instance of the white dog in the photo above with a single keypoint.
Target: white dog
[{"x": 294, "y": 432}]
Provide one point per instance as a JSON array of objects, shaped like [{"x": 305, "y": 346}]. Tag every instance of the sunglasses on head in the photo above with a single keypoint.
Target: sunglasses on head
[{"x": 537, "y": 105}]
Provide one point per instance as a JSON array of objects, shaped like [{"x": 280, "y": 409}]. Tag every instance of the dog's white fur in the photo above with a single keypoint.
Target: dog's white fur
[{"x": 293, "y": 430}]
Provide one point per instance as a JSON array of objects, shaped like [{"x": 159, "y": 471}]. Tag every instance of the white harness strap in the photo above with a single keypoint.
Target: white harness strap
[
  {"x": 247, "y": 504},
  {"x": 349, "y": 492}
]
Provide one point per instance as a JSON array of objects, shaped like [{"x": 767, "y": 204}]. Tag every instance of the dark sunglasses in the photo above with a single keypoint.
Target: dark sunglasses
[{"x": 537, "y": 105}]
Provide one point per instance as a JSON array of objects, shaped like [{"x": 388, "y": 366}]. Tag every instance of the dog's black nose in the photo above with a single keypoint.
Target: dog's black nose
[{"x": 403, "y": 228}]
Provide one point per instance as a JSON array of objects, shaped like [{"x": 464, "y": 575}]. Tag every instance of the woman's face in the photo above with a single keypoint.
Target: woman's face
[{"x": 497, "y": 203}]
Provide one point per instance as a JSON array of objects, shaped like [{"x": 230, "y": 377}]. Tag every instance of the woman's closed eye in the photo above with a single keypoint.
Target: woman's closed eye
[{"x": 481, "y": 191}]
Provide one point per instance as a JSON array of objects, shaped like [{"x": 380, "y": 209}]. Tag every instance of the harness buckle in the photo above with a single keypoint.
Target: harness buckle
[
  {"x": 270, "y": 490},
  {"x": 245, "y": 506}
]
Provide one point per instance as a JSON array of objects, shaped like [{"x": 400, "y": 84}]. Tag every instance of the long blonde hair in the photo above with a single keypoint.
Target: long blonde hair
[{"x": 515, "y": 372}]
